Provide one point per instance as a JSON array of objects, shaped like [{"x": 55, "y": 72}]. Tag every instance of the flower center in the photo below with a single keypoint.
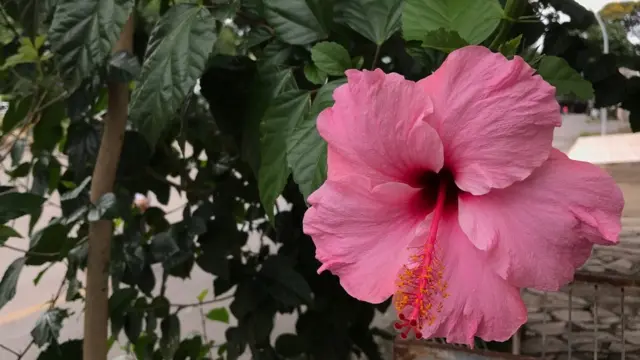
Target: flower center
[{"x": 420, "y": 285}]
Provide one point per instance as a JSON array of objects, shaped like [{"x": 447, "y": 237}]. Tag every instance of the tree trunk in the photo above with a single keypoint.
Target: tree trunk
[{"x": 97, "y": 296}]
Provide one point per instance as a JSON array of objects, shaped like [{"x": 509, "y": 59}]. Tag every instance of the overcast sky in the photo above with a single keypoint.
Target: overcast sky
[{"x": 594, "y": 4}]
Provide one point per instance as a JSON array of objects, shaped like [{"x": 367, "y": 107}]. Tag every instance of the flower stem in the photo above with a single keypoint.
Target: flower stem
[
  {"x": 513, "y": 9},
  {"x": 375, "y": 58}
]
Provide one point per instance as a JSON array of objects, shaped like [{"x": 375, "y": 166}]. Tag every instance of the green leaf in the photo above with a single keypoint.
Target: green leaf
[
  {"x": 268, "y": 84},
  {"x": 123, "y": 67},
  {"x": 10, "y": 281},
  {"x": 376, "y": 20},
  {"x": 473, "y": 20},
  {"x": 163, "y": 246},
  {"x": 331, "y": 58},
  {"x": 170, "y": 340},
  {"x": 634, "y": 120},
  {"x": 160, "y": 306},
  {"x": 68, "y": 350},
  {"x": 77, "y": 190},
  {"x": 105, "y": 208},
  {"x": 443, "y": 40},
  {"x": 306, "y": 150},
  {"x": 289, "y": 345},
  {"x": 21, "y": 171},
  {"x": 276, "y": 125},
  {"x": 6, "y": 233},
  {"x": 202, "y": 295},
  {"x": 179, "y": 47},
  {"x": 133, "y": 324},
  {"x": 314, "y": 75},
  {"x": 51, "y": 240},
  {"x": 47, "y": 328},
  {"x": 510, "y": 48},
  {"x": 119, "y": 302},
  {"x": 279, "y": 269},
  {"x": 48, "y": 131},
  {"x": 357, "y": 62},
  {"x": 14, "y": 205},
  {"x": 219, "y": 314},
  {"x": 17, "y": 151},
  {"x": 83, "y": 32},
  {"x": 16, "y": 114},
  {"x": 557, "y": 72},
  {"x": 298, "y": 22}
]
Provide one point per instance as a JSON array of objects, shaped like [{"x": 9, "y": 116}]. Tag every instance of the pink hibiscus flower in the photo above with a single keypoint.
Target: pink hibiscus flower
[{"x": 447, "y": 194}]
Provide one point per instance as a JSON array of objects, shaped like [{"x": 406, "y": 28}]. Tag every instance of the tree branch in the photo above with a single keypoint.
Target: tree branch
[{"x": 96, "y": 319}]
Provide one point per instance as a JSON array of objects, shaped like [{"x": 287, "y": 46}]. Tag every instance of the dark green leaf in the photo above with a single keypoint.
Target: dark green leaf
[
  {"x": 443, "y": 40},
  {"x": 376, "y": 20},
  {"x": 105, "y": 208},
  {"x": 10, "y": 281},
  {"x": 510, "y": 48},
  {"x": 21, "y": 171},
  {"x": 289, "y": 345},
  {"x": 164, "y": 246},
  {"x": 297, "y": 22},
  {"x": 170, "y": 340},
  {"x": 133, "y": 324},
  {"x": 331, "y": 58},
  {"x": 278, "y": 122},
  {"x": 473, "y": 20},
  {"x": 48, "y": 244},
  {"x": 16, "y": 114},
  {"x": 47, "y": 328},
  {"x": 178, "y": 49},
  {"x": 634, "y": 120},
  {"x": 236, "y": 343},
  {"x": 314, "y": 75},
  {"x": 14, "y": 205},
  {"x": 83, "y": 32},
  {"x": 48, "y": 131},
  {"x": 357, "y": 62},
  {"x": 73, "y": 289},
  {"x": 160, "y": 306},
  {"x": 146, "y": 280},
  {"x": 119, "y": 302},
  {"x": 279, "y": 269},
  {"x": 17, "y": 150},
  {"x": 306, "y": 150},
  {"x": 559, "y": 73},
  {"x": 123, "y": 67},
  {"x": 69, "y": 350},
  {"x": 219, "y": 314},
  {"x": 268, "y": 84},
  {"x": 73, "y": 194},
  {"x": 7, "y": 232}
]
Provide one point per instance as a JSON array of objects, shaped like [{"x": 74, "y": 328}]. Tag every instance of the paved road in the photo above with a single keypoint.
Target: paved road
[{"x": 18, "y": 317}]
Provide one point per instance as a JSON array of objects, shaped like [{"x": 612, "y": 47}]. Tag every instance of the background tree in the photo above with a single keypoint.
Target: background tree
[{"x": 223, "y": 98}]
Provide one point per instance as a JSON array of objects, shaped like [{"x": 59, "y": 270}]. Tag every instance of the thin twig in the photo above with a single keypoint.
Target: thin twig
[
  {"x": 34, "y": 253},
  {"x": 222, "y": 298},
  {"x": 52, "y": 304},
  {"x": 203, "y": 321},
  {"x": 24, "y": 352},
  {"x": 10, "y": 350}
]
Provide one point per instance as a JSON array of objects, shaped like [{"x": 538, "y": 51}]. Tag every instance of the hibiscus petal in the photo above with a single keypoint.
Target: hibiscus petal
[
  {"x": 541, "y": 229},
  {"x": 495, "y": 118},
  {"x": 375, "y": 129},
  {"x": 474, "y": 290},
  {"x": 361, "y": 232}
]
